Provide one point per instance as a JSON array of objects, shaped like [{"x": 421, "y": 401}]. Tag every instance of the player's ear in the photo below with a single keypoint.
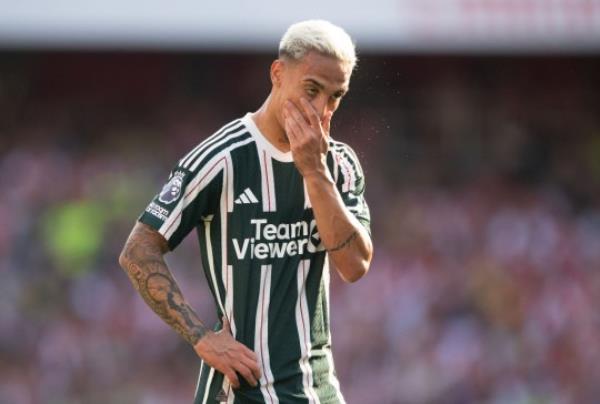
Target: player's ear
[{"x": 276, "y": 72}]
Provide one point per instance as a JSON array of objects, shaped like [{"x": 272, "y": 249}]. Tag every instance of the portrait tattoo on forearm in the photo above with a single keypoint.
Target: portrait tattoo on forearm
[{"x": 151, "y": 277}]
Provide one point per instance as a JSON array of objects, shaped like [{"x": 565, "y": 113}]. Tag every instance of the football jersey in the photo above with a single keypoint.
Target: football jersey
[{"x": 262, "y": 257}]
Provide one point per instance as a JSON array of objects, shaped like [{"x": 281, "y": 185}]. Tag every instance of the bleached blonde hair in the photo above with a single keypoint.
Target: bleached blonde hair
[{"x": 320, "y": 36}]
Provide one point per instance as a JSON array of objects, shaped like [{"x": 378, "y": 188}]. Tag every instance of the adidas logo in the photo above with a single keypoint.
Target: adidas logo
[{"x": 246, "y": 197}]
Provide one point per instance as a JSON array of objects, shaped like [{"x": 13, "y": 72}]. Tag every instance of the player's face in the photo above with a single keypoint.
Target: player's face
[{"x": 322, "y": 80}]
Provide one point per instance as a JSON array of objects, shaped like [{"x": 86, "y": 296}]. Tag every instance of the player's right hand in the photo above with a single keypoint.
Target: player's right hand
[{"x": 222, "y": 352}]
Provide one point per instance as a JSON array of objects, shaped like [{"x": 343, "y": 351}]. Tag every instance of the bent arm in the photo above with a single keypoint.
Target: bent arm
[
  {"x": 142, "y": 259},
  {"x": 346, "y": 240}
]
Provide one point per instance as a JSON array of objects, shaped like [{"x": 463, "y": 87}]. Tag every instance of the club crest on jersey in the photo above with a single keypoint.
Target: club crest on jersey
[{"x": 172, "y": 189}]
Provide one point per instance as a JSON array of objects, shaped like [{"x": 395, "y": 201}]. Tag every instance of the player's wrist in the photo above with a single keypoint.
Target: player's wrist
[
  {"x": 318, "y": 178},
  {"x": 200, "y": 345},
  {"x": 318, "y": 173}
]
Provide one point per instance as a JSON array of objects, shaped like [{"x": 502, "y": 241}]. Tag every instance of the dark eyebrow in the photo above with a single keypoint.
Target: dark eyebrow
[
  {"x": 321, "y": 86},
  {"x": 315, "y": 82}
]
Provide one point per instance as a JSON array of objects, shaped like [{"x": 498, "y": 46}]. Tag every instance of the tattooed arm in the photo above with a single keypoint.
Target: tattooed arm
[{"x": 142, "y": 259}]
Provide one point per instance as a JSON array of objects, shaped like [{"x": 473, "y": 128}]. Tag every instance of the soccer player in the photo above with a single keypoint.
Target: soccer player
[{"x": 274, "y": 199}]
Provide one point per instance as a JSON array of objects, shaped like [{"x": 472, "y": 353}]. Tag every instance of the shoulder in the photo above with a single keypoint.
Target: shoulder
[
  {"x": 345, "y": 166},
  {"x": 216, "y": 145},
  {"x": 344, "y": 155}
]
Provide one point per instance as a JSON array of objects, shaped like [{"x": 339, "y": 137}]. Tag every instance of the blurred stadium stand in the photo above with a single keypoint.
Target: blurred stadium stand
[{"x": 483, "y": 177}]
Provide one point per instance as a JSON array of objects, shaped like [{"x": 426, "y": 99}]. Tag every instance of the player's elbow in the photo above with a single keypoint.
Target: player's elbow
[
  {"x": 353, "y": 267},
  {"x": 124, "y": 258},
  {"x": 353, "y": 270},
  {"x": 144, "y": 244},
  {"x": 352, "y": 273}
]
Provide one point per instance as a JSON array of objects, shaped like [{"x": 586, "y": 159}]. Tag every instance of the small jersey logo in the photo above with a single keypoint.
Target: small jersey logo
[
  {"x": 246, "y": 197},
  {"x": 172, "y": 189},
  {"x": 221, "y": 396}
]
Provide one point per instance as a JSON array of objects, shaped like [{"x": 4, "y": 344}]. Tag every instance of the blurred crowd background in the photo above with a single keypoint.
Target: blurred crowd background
[{"x": 483, "y": 178}]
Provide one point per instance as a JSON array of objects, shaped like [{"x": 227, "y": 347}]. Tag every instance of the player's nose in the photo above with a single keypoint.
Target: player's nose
[{"x": 322, "y": 106}]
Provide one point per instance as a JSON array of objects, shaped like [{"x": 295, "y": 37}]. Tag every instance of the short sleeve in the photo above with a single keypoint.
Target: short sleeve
[
  {"x": 183, "y": 201},
  {"x": 350, "y": 182}
]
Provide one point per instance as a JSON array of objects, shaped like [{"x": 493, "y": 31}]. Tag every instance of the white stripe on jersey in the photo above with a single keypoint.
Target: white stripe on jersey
[
  {"x": 208, "y": 142},
  {"x": 228, "y": 282},
  {"x": 227, "y": 270},
  {"x": 208, "y": 382},
  {"x": 211, "y": 264},
  {"x": 229, "y": 181},
  {"x": 199, "y": 378},
  {"x": 268, "y": 182},
  {"x": 349, "y": 175},
  {"x": 357, "y": 169},
  {"x": 331, "y": 376},
  {"x": 342, "y": 168},
  {"x": 261, "y": 336},
  {"x": 303, "y": 325},
  {"x": 343, "y": 158},
  {"x": 307, "y": 204},
  {"x": 242, "y": 130},
  {"x": 335, "y": 165}
]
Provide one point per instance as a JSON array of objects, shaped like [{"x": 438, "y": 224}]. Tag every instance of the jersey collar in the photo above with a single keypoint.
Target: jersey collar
[{"x": 264, "y": 143}]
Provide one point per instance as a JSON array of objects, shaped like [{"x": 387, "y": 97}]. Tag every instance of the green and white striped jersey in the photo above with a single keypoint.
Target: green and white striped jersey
[{"x": 262, "y": 257}]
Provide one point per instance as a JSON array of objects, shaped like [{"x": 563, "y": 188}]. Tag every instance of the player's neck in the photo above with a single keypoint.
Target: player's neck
[{"x": 266, "y": 121}]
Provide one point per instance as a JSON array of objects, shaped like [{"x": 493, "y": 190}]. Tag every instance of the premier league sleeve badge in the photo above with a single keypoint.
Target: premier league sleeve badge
[{"x": 171, "y": 191}]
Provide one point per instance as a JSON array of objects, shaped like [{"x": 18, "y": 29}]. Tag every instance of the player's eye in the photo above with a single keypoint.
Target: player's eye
[{"x": 311, "y": 91}]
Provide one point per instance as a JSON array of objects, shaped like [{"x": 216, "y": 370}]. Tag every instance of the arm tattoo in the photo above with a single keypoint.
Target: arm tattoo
[
  {"x": 142, "y": 259},
  {"x": 343, "y": 243}
]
